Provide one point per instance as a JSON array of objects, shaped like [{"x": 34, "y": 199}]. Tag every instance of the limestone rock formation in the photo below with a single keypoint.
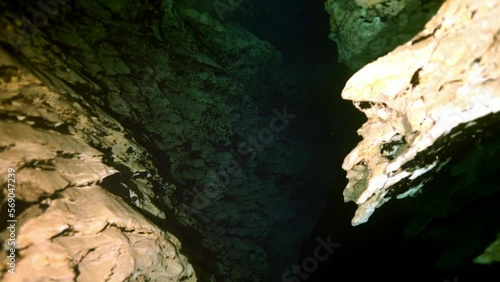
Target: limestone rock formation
[
  {"x": 69, "y": 227},
  {"x": 195, "y": 93},
  {"x": 438, "y": 92},
  {"x": 367, "y": 29},
  {"x": 139, "y": 121}
]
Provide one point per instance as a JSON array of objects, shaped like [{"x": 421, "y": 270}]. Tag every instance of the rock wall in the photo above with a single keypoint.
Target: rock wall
[
  {"x": 365, "y": 30},
  {"x": 432, "y": 106},
  {"x": 200, "y": 97},
  {"x": 69, "y": 226},
  {"x": 150, "y": 118}
]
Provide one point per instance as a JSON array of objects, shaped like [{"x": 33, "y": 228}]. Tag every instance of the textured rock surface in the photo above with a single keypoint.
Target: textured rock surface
[
  {"x": 69, "y": 227},
  {"x": 437, "y": 93},
  {"x": 367, "y": 29},
  {"x": 179, "y": 80}
]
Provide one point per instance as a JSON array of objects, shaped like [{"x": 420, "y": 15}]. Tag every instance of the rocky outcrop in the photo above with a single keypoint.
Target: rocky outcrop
[
  {"x": 364, "y": 30},
  {"x": 435, "y": 94},
  {"x": 69, "y": 226},
  {"x": 433, "y": 110}
]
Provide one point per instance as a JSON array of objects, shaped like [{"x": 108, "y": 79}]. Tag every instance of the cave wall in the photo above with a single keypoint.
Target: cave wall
[
  {"x": 172, "y": 113},
  {"x": 200, "y": 97},
  {"x": 432, "y": 108},
  {"x": 367, "y": 30},
  {"x": 70, "y": 227}
]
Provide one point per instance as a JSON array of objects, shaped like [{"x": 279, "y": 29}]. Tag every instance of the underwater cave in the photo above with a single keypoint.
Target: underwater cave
[{"x": 249, "y": 140}]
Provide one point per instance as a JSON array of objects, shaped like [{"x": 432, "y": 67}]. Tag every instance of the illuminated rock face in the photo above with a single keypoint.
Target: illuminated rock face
[
  {"x": 69, "y": 226},
  {"x": 428, "y": 97}
]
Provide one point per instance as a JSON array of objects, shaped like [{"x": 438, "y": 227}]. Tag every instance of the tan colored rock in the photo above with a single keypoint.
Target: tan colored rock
[
  {"x": 71, "y": 158},
  {"x": 71, "y": 228},
  {"x": 439, "y": 89},
  {"x": 75, "y": 240}
]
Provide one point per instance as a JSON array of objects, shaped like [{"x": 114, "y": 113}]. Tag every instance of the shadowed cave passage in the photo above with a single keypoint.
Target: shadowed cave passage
[
  {"x": 325, "y": 123},
  {"x": 328, "y": 124},
  {"x": 268, "y": 218},
  {"x": 376, "y": 250}
]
